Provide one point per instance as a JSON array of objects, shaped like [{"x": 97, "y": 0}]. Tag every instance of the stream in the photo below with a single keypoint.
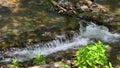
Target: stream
[{"x": 86, "y": 35}]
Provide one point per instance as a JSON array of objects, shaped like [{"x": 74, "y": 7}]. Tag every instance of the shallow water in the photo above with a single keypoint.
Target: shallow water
[{"x": 88, "y": 34}]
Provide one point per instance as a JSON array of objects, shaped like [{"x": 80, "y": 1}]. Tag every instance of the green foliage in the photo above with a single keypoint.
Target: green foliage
[
  {"x": 14, "y": 64},
  {"x": 108, "y": 66},
  {"x": 92, "y": 56},
  {"x": 39, "y": 60},
  {"x": 64, "y": 65}
]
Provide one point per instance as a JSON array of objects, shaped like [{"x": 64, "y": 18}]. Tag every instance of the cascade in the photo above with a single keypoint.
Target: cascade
[
  {"x": 87, "y": 34},
  {"x": 98, "y": 32}
]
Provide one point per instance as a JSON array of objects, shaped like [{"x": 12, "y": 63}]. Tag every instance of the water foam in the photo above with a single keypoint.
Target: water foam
[
  {"x": 28, "y": 53},
  {"x": 86, "y": 35},
  {"x": 100, "y": 33}
]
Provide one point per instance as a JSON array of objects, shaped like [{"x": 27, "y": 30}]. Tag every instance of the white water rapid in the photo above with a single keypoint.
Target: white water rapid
[{"x": 87, "y": 35}]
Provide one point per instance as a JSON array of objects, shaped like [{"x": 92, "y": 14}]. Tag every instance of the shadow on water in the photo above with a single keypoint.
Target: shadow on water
[{"x": 4, "y": 12}]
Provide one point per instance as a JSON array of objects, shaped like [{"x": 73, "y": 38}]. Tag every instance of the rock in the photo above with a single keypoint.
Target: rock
[
  {"x": 89, "y": 3},
  {"x": 52, "y": 65},
  {"x": 35, "y": 67},
  {"x": 84, "y": 8}
]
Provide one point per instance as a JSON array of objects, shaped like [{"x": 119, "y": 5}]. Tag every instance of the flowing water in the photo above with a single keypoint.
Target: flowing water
[{"x": 87, "y": 34}]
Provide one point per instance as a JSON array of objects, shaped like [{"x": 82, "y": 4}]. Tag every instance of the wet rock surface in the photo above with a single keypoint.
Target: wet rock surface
[{"x": 90, "y": 11}]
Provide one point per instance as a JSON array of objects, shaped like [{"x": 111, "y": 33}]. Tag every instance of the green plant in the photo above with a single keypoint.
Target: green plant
[
  {"x": 14, "y": 64},
  {"x": 64, "y": 65},
  {"x": 39, "y": 60},
  {"x": 92, "y": 56},
  {"x": 108, "y": 66}
]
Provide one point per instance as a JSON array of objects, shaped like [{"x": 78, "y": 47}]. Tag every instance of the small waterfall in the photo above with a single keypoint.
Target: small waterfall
[
  {"x": 102, "y": 33},
  {"x": 60, "y": 43},
  {"x": 87, "y": 35}
]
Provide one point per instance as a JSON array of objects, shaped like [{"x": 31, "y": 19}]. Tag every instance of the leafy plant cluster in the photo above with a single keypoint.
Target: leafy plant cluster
[
  {"x": 14, "y": 64},
  {"x": 39, "y": 60},
  {"x": 92, "y": 56}
]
